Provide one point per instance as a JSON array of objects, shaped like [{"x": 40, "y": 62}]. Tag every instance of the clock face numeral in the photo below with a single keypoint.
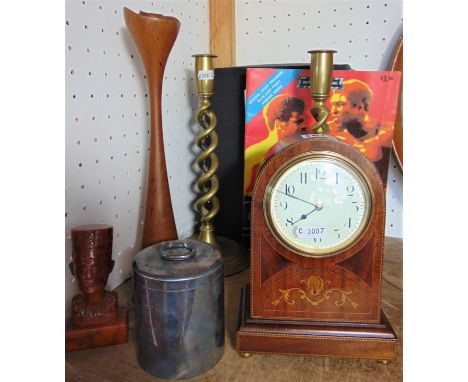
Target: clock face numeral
[
  {"x": 303, "y": 177},
  {"x": 289, "y": 189},
  {"x": 320, "y": 174},
  {"x": 318, "y": 205}
]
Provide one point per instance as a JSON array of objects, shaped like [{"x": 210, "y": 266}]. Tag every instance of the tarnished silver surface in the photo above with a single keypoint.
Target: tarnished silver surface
[{"x": 179, "y": 308}]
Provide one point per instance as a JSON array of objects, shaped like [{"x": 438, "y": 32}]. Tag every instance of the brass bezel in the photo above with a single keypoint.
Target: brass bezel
[{"x": 337, "y": 158}]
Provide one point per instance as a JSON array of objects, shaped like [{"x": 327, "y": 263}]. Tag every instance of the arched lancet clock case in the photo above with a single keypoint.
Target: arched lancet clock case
[{"x": 318, "y": 221}]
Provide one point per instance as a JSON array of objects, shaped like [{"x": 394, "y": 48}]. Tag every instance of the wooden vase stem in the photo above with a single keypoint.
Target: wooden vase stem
[{"x": 154, "y": 36}]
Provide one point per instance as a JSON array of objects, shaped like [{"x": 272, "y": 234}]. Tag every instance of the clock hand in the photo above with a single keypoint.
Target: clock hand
[
  {"x": 302, "y": 200},
  {"x": 318, "y": 207}
]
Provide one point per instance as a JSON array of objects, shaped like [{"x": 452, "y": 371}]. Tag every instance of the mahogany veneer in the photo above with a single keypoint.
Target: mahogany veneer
[
  {"x": 345, "y": 287},
  {"x": 375, "y": 341}
]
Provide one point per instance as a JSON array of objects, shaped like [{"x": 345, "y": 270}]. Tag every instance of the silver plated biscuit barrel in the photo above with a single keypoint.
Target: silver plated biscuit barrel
[{"x": 179, "y": 308}]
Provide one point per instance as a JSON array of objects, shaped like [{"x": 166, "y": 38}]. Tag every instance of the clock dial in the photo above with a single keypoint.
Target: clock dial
[{"x": 317, "y": 204}]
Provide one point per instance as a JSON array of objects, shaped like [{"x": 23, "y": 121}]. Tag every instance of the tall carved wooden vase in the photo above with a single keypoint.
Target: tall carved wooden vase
[{"x": 154, "y": 36}]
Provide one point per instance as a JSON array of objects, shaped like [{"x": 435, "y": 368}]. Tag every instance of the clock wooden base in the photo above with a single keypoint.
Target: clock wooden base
[
  {"x": 324, "y": 339},
  {"x": 112, "y": 333}
]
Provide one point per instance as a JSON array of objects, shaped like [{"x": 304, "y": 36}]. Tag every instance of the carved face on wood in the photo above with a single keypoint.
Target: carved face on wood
[
  {"x": 92, "y": 273},
  {"x": 92, "y": 258}
]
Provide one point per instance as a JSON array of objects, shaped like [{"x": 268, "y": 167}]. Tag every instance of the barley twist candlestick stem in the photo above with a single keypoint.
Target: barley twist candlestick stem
[{"x": 207, "y": 183}]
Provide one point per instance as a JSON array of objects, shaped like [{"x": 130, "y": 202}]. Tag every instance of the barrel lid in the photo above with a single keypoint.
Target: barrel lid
[{"x": 178, "y": 260}]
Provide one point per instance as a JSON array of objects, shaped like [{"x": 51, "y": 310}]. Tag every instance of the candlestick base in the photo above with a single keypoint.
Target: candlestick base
[{"x": 236, "y": 258}]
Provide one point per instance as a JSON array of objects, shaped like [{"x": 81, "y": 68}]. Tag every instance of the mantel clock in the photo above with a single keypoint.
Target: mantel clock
[{"x": 318, "y": 222}]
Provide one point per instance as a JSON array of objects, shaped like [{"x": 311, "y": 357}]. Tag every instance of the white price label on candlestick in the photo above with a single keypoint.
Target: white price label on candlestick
[{"x": 206, "y": 75}]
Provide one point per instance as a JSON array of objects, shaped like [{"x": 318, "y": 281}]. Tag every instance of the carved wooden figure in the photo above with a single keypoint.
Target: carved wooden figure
[{"x": 96, "y": 319}]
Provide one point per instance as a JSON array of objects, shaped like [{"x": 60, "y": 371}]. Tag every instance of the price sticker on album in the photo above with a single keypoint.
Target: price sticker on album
[{"x": 206, "y": 75}]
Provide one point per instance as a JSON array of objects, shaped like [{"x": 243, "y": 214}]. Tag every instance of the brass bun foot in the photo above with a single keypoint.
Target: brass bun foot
[
  {"x": 236, "y": 258},
  {"x": 245, "y": 355}
]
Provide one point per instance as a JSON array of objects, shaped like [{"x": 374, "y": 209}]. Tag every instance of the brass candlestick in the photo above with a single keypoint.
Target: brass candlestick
[
  {"x": 321, "y": 72},
  {"x": 207, "y": 205}
]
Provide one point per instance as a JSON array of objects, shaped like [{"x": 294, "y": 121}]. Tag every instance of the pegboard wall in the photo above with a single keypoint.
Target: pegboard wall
[
  {"x": 107, "y": 101},
  {"x": 364, "y": 33},
  {"x": 108, "y": 121}
]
